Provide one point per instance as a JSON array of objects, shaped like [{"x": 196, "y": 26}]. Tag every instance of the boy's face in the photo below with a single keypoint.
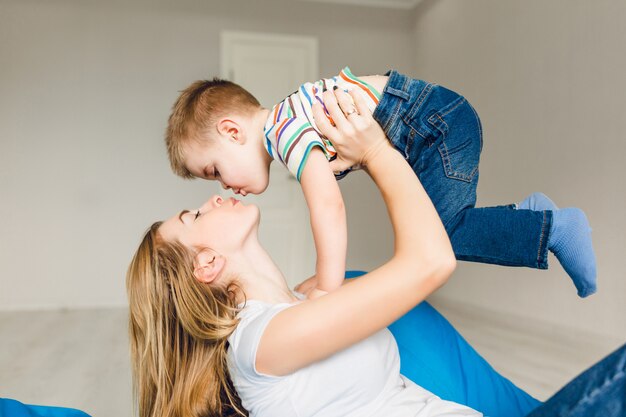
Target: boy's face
[{"x": 237, "y": 166}]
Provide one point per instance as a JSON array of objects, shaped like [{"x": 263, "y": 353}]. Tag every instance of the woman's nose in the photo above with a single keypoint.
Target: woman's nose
[{"x": 213, "y": 202}]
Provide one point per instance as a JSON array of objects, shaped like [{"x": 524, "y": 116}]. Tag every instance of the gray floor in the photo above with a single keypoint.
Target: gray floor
[
  {"x": 76, "y": 358},
  {"x": 79, "y": 358}
]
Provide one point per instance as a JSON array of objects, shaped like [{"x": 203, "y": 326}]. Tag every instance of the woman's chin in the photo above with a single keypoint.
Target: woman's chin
[
  {"x": 253, "y": 211},
  {"x": 257, "y": 213}
]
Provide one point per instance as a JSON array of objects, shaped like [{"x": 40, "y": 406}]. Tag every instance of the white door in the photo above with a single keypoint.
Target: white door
[{"x": 271, "y": 67}]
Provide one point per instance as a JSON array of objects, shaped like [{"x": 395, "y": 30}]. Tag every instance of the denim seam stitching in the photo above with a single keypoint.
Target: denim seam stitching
[
  {"x": 480, "y": 127},
  {"x": 541, "y": 239},
  {"x": 444, "y": 153},
  {"x": 397, "y": 93},
  {"x": 420, "y": 133},
  {"x": 409, "y": 143},
  {"x": 420, "y": 100},
  {"x": 396, "y": 110},
  {"x": 440, "y": 116},
  {"x": 461, "y": 101},
  {"x": 443, "y": 122},
  {"x": 448, "y": 166},
  {"x": 394, "y": 116}
]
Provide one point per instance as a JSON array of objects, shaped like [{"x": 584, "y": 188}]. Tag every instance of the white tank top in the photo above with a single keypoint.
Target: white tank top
[{"x": 360, "y": 381}]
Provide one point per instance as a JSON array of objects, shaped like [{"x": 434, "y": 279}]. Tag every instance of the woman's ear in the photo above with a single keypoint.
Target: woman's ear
[
  {"x": 208, "y": 265},
  {"x": 231, "y": 130}
]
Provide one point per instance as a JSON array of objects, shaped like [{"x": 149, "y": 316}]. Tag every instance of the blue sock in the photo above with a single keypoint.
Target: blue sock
[
  {"x": 537, "y": 202},
  {"x": 570, "y": 241}
]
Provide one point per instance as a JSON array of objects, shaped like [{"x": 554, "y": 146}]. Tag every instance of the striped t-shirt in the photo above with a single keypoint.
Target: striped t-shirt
[{"x": 290, "y": 131}]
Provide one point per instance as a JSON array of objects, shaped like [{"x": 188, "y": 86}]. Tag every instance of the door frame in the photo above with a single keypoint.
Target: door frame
[{"x": 228, "y": 39}]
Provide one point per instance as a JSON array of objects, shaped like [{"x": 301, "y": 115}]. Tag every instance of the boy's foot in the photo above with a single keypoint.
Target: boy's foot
[
  {"x": 570, "y": 241},
  {"x": 537, "y": 202}
]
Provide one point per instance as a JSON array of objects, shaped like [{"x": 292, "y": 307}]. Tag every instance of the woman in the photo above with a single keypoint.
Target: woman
[{"x": 206, "y": 302}]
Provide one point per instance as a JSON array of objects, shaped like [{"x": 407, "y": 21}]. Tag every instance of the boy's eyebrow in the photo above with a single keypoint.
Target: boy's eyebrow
[{"x": 180, "y": 216}]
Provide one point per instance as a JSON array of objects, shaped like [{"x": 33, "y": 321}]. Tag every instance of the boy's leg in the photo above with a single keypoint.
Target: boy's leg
[
  {"x": 448, "y": 169},
  {"x": 440, "y": 135},
  {"x": 501, "y": 236},
  {"x": 600, "y": 391}
]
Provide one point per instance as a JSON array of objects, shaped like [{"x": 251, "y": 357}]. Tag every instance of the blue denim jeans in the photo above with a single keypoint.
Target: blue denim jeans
[
  {"x": 439, "y": 134},
  {"x": 600, "y": 391}
]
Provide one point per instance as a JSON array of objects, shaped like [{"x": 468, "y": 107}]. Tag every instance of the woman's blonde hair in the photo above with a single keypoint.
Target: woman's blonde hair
[{"x": 178, "y": 334}]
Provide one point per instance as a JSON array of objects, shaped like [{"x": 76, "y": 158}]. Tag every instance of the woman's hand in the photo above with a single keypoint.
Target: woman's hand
[{"x": 355, "y": 135}]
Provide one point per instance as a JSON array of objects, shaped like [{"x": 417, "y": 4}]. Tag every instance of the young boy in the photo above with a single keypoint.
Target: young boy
[{"x": 218, "y": 131}]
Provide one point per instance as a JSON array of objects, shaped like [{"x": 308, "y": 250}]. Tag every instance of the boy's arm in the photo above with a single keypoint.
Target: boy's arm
[{"x": 328, "y": 221}]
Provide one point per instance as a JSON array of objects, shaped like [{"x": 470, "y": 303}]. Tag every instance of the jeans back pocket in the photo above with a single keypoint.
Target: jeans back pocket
[{"x": 461, "y": 141}]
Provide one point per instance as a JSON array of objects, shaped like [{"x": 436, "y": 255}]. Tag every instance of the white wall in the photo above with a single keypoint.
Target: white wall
[
  {"x": 547, "y": 78},
  {"x": 86, "y": 87},
  {"x": 85, "y": 91}
]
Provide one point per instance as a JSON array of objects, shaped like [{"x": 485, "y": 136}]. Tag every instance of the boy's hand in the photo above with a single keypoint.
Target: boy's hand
[
  {"x": 309, "y": 288},
  {"x": 315, "y": 293},
  {"x": 307, "y": 285}
]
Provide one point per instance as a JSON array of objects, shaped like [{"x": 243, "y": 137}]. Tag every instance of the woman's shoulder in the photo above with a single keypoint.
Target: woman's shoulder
[{"x": 254, "y": 317}]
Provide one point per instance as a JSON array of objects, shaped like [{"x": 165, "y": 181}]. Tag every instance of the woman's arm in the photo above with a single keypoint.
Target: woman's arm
[{"x": 421, "y": 263}]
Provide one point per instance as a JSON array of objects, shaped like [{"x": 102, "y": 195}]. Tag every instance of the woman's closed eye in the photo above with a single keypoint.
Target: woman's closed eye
[{"x": 197, "y": 215}]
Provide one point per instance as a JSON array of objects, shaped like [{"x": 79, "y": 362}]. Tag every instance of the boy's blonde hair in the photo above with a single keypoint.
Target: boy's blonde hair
[{"x": 198, "y": 108}]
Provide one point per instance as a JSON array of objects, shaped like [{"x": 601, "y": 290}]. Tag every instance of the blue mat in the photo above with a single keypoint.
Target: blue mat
[
  {"x": 12, "y": 408},
  {"x": 436, "y": 357}
]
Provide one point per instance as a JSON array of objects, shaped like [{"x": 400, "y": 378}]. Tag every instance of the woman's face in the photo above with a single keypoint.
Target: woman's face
[{"x": 220, "y": 224}]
